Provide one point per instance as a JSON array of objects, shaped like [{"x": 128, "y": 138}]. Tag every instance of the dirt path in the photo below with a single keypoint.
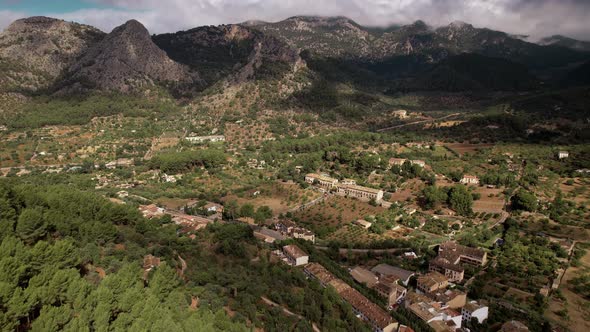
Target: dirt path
[
  {"x": 578, "y": 309},
  {"x": 417, "y": 122},
  {"x": 286, "y": 311}
]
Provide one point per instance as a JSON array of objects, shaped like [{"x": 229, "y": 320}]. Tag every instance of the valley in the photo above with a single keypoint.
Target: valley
[{"x": 310, "y": 174}]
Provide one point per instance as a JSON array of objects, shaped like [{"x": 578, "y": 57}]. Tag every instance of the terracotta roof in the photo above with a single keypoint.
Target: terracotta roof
[
  {"x": 319, "y": 272},
  {"x": 373, "y": 312},
  {"x": 362, "y": 275},
  {"x": 453, "y": 251},
  {"x": 360, "y": 188},
  {"x": 388, "y": 270},
  {"x": 445, "y": 264},
  {"x": 432, "y": 278},
  {"x": 294, "y": 251}
]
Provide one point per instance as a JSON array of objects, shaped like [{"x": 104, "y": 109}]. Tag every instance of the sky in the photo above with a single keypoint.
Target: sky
[{"x": 534, "y": 18}]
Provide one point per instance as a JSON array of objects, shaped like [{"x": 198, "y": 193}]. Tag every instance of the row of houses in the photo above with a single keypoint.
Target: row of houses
[
  {"x": 380, "y": 320},
  {"x": 401, "y": 161},
  {"x": 347, "y": 187}
]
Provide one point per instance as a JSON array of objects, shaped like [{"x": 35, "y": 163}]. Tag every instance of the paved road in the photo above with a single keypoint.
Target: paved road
[{"x": 417, "y": 122}]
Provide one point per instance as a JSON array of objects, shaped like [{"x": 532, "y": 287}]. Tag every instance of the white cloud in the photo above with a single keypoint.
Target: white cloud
[
  {"x": 532, "y": 17},
  {"x": 7, "y": 17}
]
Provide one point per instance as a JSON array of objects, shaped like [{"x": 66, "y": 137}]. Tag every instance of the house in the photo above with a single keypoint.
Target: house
[
  {"x": 151, "y": 211},
  {"x": 474, "y": 310},
  {"x": 290, "y": 229},
  {"x": 295, "y": 255},
  {"x": 168, "y": 178},
  {"x": 410, "y": 255},
  {"x": 470, "y": 179},
  {"x": 322, "y": 181},
  {"x": 456, "y": 253},
  {"x": 420, "y": 163},
  {"x": 121, "y": 162},
  {"x": 363, "y": 223},
  {"x": 364, "y": 276},
  {"x": 396, "y": 161},
  {"x": 383, "y": 270},
  {"x": 454, "y": 272},
  {"x": 438, "y": 319},
  {"x": 149, "y": 262},
  {"x": 432, "y": 282},
  {"x": 514, "y": 326},
  {"x": 401, "y": 114},
  {"x": 450, "y": 298},
  {"x": 201, "y": 139},
  {"x": 388, "y": 288},
  {"x": 563, "y": 154},
  {"x": 361, "y": 193}
]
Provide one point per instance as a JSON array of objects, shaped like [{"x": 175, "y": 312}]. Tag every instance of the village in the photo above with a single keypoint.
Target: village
[{"x": 415, "y": 228}]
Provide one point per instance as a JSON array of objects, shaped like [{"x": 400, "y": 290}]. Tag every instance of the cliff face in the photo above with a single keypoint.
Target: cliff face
[
  {"x": 126, "y": 59},
  {"x": 35, "y": 51}
]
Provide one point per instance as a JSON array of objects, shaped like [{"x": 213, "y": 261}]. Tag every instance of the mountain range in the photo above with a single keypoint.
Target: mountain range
[{"x": 41, "y": 55}]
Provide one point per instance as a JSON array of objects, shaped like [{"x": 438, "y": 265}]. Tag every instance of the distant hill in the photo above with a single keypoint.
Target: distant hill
[
  {"x": 558, "y": 40},
  {"x": 41, "y": 54}
]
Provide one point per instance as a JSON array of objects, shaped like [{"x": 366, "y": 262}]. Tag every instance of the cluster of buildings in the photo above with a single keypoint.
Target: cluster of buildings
[
  {"x": 347, "y": 187},
  {"x": 401, "y": 161},
  {"x": 202, "y": 139},
  {"x": 443, "y": 309},
  {"x": 289, "y": 229},
  {"x": 380, "y": 320},
  {"x": 188, "y": 223},
  {"x": 452, "y": 256},
  {"x": 386, "y": 280}
]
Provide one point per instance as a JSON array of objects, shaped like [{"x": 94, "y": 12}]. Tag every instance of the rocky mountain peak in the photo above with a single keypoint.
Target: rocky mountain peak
[
  {"x": 41, "y": 48},
  {"x": 127, "y": 59}
]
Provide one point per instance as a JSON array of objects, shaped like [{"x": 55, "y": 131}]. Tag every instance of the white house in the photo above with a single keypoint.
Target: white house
[
  {"x": 470, "y": 179},
  {"x": 295, "y": 255},
  {"x": 474, "y": 310},
  {"x": 563, "y": 154}
]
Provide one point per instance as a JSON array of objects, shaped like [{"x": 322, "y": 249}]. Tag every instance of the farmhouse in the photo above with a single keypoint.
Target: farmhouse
[
  {"x": 470, "y": 179},
  {"x": 420, "y": 163},
  {"x": 456, "y": 253},
  {"x": 289, "y": 228},
  {"x": 396, "y": 161},
  {"x": 323, "y": 181},
  {"x": 201, "y": 139},
  {"x": 362, "y": 193},
  {"x": 431, "y": 282},
  {"x": 295, "y": 255},
  {"x": 363, "y": 223},
  {"x": 151, "y": 211},
  {"x": 121, "y": 162},
  {"x": 563, "y": 154},
  {"x": 402, "y": 114}
]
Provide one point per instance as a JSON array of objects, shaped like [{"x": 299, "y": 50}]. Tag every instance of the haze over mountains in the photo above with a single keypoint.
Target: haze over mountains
[{"x": 40, "y": 54}]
